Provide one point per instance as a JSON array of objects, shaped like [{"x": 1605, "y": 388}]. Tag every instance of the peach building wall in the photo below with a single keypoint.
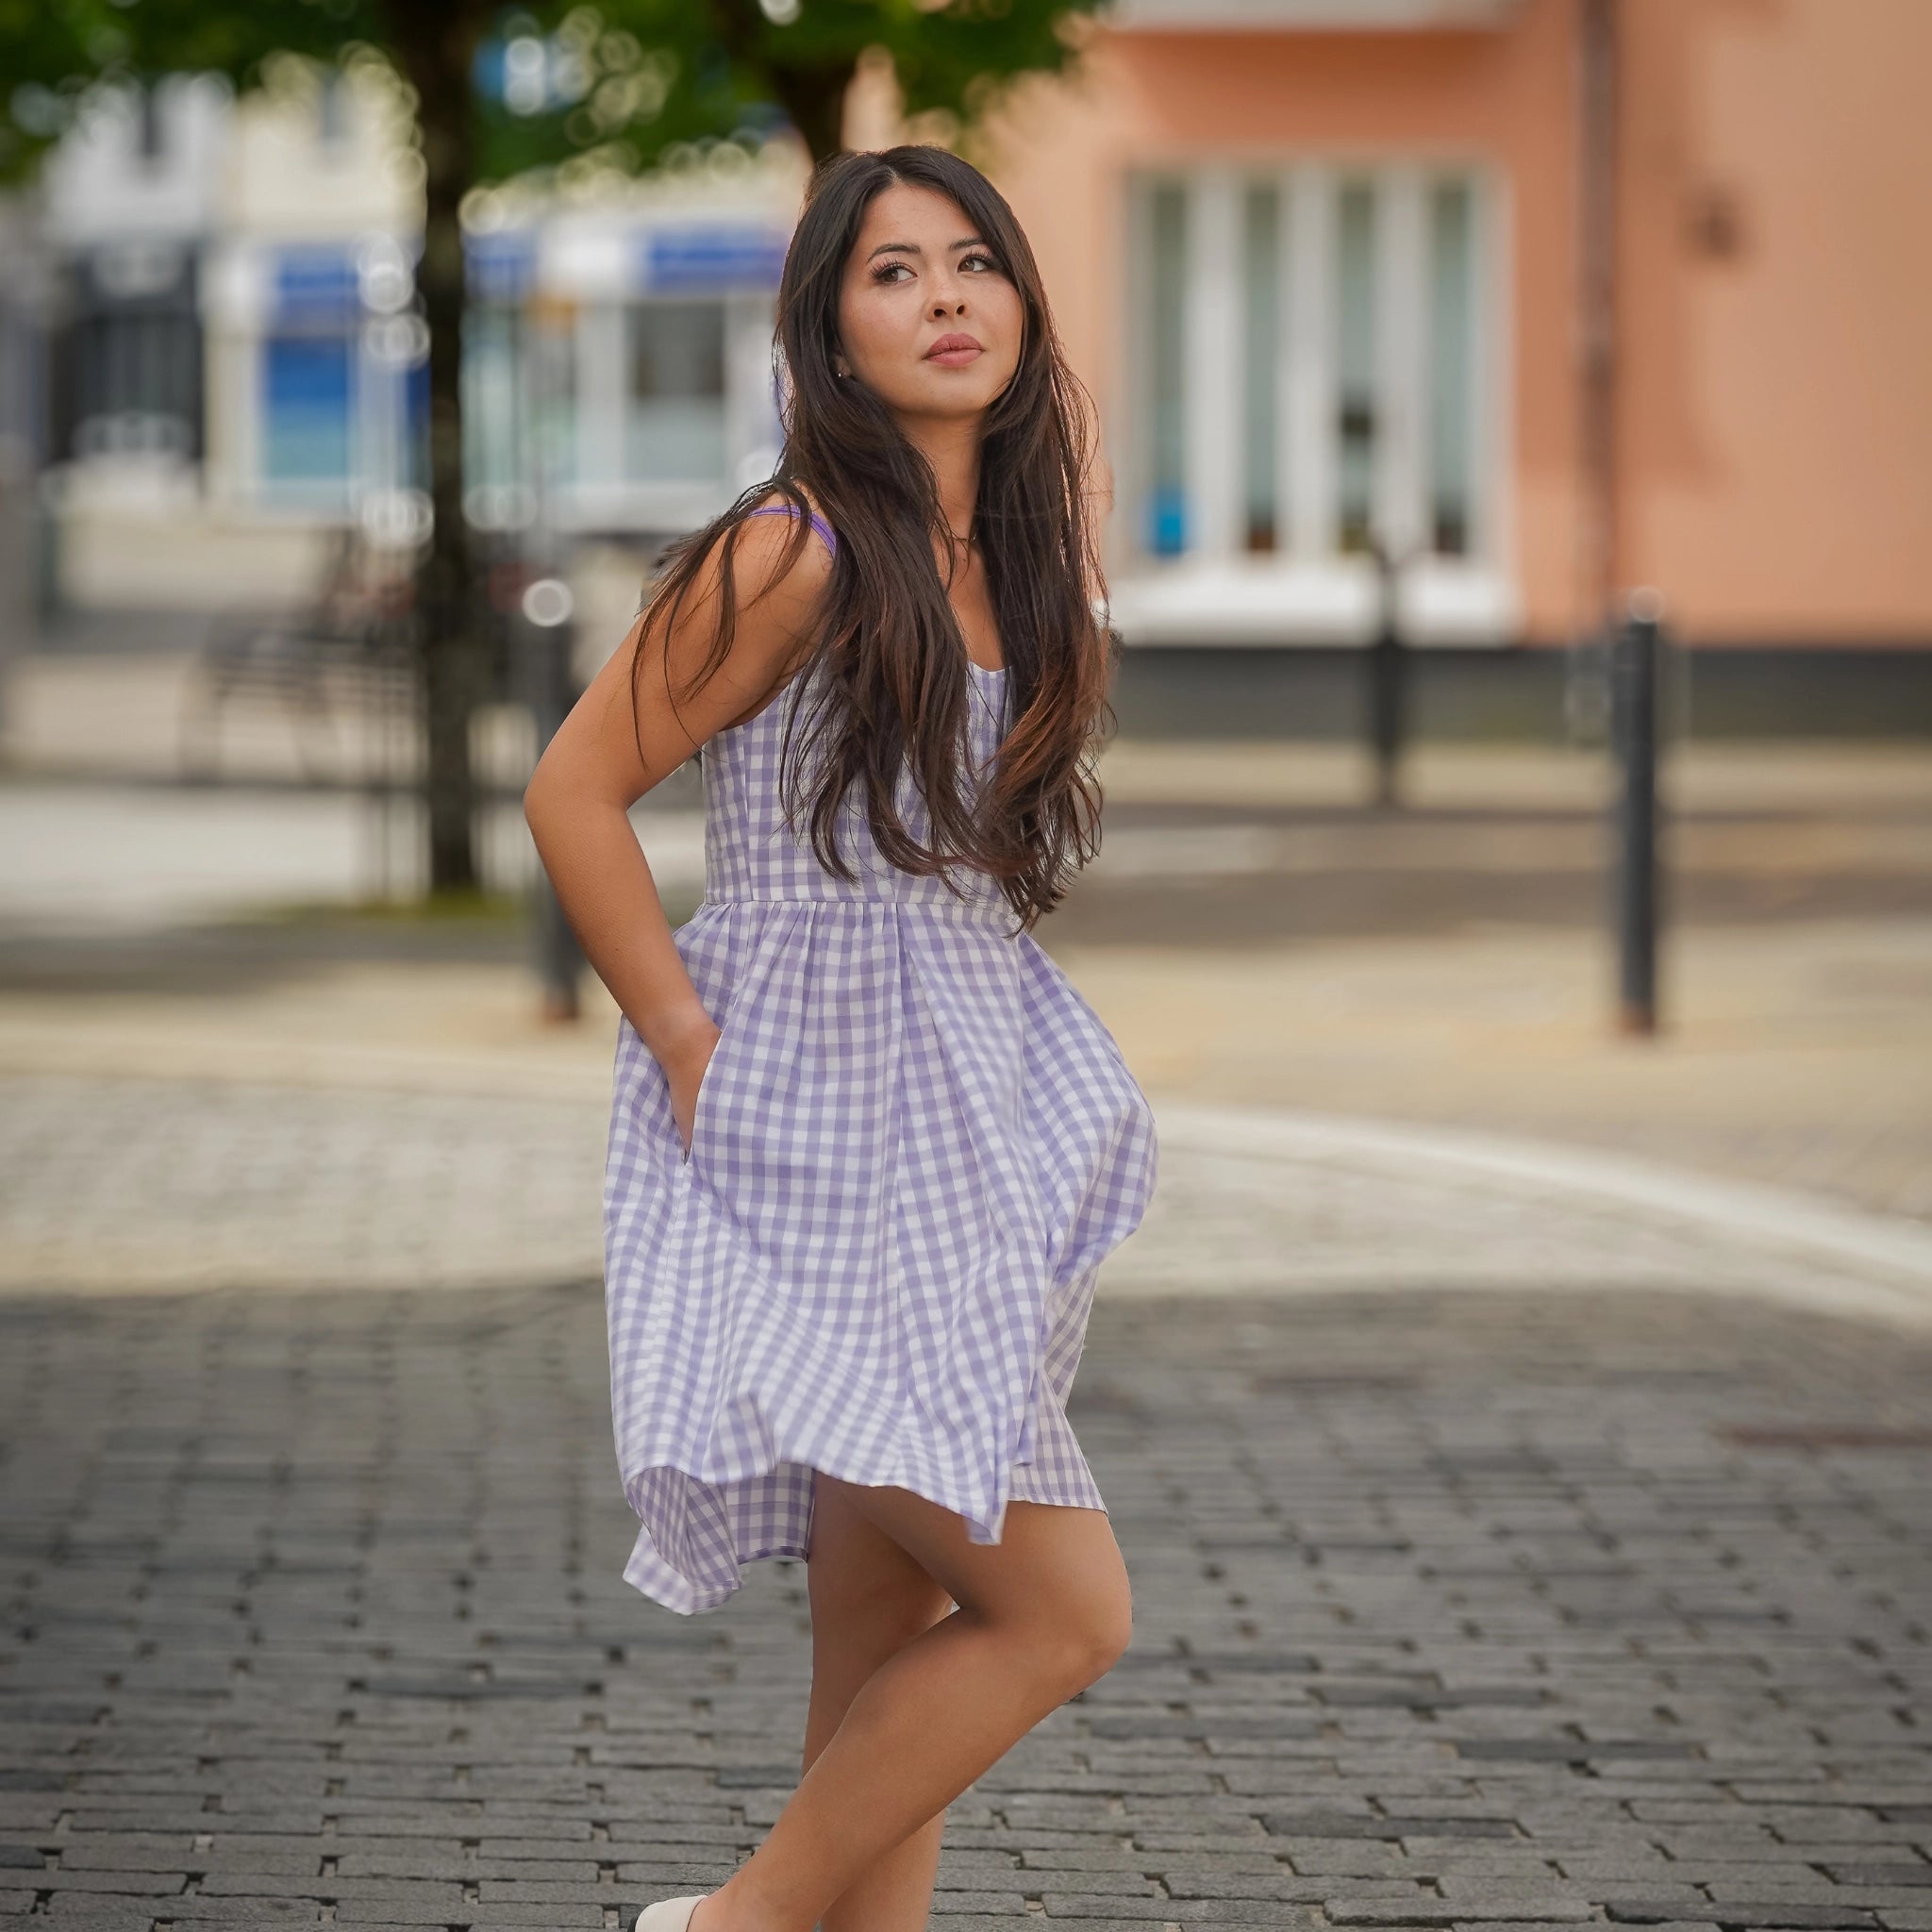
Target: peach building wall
[
  {"x": 1778, "y": 406},
  {"x": 1776, "y": 410}
]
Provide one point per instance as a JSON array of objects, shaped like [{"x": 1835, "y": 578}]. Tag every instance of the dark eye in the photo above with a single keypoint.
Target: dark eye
[{"x": 885, "y": 269}]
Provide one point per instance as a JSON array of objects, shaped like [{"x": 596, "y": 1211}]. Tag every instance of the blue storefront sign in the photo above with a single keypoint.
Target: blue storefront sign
[
  {"x": 709, "y": 260},
  {"x": 316, "y": 286},
  {"x": 502, "y": 265}
]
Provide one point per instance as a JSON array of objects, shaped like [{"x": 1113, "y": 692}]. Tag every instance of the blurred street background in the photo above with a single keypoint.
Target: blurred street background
[{"x": 1515, "y": 895}]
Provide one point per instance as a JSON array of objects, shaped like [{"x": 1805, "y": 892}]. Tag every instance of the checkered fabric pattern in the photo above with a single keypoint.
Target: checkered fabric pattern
[{"x": 915, "y": 1143}]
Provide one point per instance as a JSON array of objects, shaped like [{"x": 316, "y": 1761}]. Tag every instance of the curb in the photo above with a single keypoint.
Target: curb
[{"x": 1816, "y": 1253}]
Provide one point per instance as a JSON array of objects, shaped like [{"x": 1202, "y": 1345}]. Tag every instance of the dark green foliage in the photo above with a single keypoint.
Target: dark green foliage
[{"x": 645, "y": 74}]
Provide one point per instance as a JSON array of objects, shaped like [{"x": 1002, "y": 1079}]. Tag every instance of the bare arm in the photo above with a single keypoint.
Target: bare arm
[{"x": 578, "y": 800}]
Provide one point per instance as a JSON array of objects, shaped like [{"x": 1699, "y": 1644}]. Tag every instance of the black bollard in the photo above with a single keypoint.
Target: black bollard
[
  {"x": 1386, "y": 673},
  {"x": 552, "y": 691},
  {"x": 1634, "y": 663}
]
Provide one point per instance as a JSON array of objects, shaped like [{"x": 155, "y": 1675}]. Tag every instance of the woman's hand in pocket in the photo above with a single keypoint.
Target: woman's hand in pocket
[{"x": 685, "y": 1073}]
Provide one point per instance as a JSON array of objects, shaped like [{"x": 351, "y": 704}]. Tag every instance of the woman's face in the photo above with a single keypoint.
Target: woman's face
[{"x": 917, "y": 275}]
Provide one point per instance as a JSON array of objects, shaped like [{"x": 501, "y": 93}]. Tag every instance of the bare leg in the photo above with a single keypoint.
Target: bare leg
[
  {"x": 869, "y": 1600},
  {"x": 1042, "y": 1614}
]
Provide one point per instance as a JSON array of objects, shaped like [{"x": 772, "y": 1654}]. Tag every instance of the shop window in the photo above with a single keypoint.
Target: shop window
[
  {"x": 130, "y": 356},
  {"x": 308, "y": 403},
  {"x": 1352, "y": 303},
  {"x": 675, "y": 427}
]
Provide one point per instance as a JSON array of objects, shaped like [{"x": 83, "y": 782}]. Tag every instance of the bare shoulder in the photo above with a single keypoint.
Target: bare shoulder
[
  {"x": 772, "y": 572},
  {"x": 775, "y": 588}
]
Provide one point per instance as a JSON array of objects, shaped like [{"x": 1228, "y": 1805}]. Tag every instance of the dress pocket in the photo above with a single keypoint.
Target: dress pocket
[{"x": 706, "y": 1081}]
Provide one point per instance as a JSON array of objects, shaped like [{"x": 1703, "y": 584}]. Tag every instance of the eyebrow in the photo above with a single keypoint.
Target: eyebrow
[{"x": 913, "y": 247}]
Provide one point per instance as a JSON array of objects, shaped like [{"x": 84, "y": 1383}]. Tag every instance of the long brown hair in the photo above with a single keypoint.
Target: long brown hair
[{"x": 896, "y": 688}]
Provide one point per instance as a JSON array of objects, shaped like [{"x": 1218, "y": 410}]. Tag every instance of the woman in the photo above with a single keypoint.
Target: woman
[{"x": 868, "y": 1144}]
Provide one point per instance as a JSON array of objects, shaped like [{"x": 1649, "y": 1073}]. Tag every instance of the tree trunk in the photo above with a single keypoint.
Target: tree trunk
[
  {"x": 813, "y": 97},
  {"x": 814, "y": 102},
  {"x": 436, "y": 44}
]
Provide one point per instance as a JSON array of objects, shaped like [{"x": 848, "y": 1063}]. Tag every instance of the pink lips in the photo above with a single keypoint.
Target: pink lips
[{"x": 955, "y": 351}]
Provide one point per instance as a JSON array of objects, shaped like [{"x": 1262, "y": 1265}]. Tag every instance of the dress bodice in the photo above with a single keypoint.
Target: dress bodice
[{"x": 750, "y": 853}]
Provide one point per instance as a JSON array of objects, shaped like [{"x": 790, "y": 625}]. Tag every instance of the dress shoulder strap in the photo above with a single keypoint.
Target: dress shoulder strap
[{"x": 788, "y": 510}]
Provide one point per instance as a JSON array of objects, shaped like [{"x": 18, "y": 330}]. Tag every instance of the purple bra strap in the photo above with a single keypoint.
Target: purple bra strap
[{"x": 785, "y": 509}]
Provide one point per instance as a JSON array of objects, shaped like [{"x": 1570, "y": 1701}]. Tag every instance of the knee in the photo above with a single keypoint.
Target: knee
[
  {"x": 1091, "y": 1640},
  {"x": 1113, "y": 1631}
]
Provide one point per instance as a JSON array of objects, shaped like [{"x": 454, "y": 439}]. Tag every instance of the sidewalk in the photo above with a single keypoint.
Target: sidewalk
[
  {"x": 1443, "y": 970},
  {"x": 228, "y": 1115}
]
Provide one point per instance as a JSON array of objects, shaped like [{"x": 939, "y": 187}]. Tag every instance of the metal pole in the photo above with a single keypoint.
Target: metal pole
[
  {"x": 1634, "y": 722},
  {"x": 1387, "y": 671},
  {"x": 547, "y": 607}
]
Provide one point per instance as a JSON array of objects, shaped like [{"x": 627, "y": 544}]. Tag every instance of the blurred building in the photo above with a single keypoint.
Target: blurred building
[
  {"x": 1556, "y": 297},
  {"x": 238, "y": 369},
  {"x": 1547, "y": 298}
]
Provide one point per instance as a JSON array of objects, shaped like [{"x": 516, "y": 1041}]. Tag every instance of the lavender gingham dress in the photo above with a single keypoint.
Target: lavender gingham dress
[{"x": 914, "y": 1145}]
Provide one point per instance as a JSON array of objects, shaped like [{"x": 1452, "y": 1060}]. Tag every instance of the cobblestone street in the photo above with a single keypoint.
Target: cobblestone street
[
  {"x": 1521, "y": 1438},
  {"x": 1473, "y": 1609}
]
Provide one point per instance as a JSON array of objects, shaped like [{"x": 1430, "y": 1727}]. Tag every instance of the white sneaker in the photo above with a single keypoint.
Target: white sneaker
[{"x": 668, "y": 1914}]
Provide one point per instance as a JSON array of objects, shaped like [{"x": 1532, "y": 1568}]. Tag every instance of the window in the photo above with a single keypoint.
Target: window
[
  {"x": 308, "y": 391},
  {"x": 1451, "y": 340},
  {"x": 129, "y": 355},
  {"x": 1262, "y": 325},
  {"x": 498, "y": 470},
  {"x": 341, "y": 382},
  {"x": 1355, "y": 364},
  {"x": 137, "y": 385},
  {"x": 1307, "y": 363},
  {"x": 308, "y": 376},
  {"x": 676, "y": 430},
  {"x": 1167, "y": 485}
]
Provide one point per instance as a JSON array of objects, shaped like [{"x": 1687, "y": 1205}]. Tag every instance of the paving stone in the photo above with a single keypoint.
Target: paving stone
[
  {"x": 264, "y": 1910},
  {"x": 135, "y": 1883},
  {"x": 1442, "y": 1911},
  {"x": 77, "y": 1912}
]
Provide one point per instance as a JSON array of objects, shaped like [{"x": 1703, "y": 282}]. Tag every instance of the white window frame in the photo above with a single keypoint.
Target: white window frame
[
  {"x": 600, "y": 495},
  {"x": 1306, "y": 592}
]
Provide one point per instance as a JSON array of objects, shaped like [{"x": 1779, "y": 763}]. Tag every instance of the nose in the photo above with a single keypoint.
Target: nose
[{"x": 952, "y": 293}]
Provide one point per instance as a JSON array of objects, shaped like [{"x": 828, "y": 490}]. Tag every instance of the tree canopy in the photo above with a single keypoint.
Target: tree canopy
[{"x": 617, "y": 79}]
